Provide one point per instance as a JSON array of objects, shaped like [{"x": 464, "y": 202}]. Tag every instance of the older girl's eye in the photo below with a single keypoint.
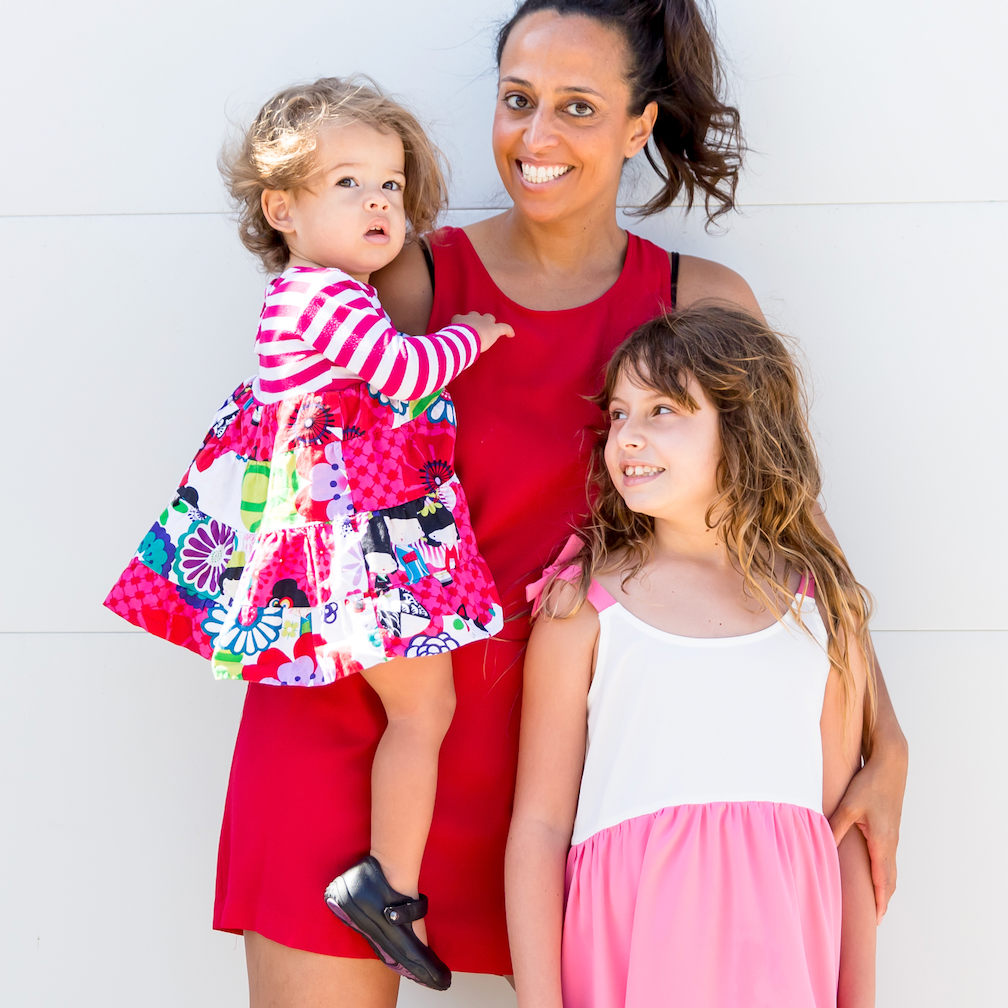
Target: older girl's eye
[
  {"x": 579, "y": 109},
  {"x": 391, "y": 185},
  {"x": 617, "y": 414},
  {"x": 659, "y": 410},
  {"x": 347, "y": 182},
  {"x": 517, "y": 102}
]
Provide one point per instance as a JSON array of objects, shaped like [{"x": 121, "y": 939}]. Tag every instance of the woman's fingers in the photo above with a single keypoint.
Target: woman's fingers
[{"x": 866, "y": 805}]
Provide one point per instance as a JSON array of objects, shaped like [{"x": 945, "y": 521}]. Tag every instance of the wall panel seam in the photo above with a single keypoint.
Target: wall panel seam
[{"x": 471, "y": 209}]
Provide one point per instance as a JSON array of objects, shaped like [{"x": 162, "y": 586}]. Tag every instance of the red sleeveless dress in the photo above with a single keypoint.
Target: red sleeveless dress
[{"x": 298, "y": 803}]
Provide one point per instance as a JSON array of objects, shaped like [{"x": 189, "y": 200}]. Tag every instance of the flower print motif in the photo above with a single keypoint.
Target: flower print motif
[
  {"x": 310, "y": 425},
  {"x": 435, "y": 473},
  {"x": 329, "y": 483},
  {"x": 300, "y": 672},
  {"x": 202, "y": 557},
  {"x": 291, "y": 628},
  {"x": 245, "y": 631},
  {"x": 446, "y": 494},
  {"x": 442, "y": 409},
  {"x": 214, "y": 622},
  {"x": 352, "y": 431},
  {"x": 420, "y": 646},
  {"x": 157, "y": 550},
  {"x": 399, "y": 406}
]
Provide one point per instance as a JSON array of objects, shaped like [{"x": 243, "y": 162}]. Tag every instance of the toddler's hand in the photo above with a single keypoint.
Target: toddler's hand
[{"x": 489, "y": 329}]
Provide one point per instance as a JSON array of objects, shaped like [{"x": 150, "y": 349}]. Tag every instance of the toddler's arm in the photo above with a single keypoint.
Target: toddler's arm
[
  {"x": 550, "y": 760},
  {"x": 355, "y": 333}
]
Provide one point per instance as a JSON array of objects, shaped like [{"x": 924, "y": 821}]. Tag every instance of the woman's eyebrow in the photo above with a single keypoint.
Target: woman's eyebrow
[{"x": 570, "y": 89}]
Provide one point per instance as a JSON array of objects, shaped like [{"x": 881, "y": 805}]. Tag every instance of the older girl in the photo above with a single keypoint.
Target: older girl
[{"x": 710, "y": 645}]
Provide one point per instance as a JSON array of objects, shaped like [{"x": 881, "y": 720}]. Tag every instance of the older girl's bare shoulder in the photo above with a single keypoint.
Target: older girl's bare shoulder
[{"x": 706, "y": 280}]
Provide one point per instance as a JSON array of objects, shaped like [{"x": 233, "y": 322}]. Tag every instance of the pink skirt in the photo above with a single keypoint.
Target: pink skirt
[{"x": 705, "y": 906}]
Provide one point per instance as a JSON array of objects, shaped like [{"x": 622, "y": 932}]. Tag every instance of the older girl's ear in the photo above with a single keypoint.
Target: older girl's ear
[{"x": 276, "y": 207}]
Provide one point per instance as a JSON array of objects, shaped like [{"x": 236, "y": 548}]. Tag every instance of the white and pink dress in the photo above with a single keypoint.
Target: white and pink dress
[{"x": 702, "y": 871}]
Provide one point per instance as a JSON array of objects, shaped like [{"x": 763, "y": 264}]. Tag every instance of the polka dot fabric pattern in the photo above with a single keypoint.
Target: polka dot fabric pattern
[{"x": 314, "y": 537}]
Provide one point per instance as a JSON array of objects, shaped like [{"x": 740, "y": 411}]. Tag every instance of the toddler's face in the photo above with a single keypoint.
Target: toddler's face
[
  {"x": 663, "y": 459},
  {"x": 352, "y": 218}
]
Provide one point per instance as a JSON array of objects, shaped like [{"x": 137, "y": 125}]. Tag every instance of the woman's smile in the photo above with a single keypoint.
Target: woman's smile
[{"x": 537, "y": 174}]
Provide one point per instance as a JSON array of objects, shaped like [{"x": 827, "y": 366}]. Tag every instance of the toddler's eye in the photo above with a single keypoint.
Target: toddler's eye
[
  {"x": 391, "y": 185},
  {"x": 579, "y": 109},
  {"x": 347, "y": 182},
  {"x": 517, "y": 102}
]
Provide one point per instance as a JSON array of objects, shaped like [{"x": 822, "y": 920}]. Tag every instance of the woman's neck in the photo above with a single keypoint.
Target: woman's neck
[{"x": 550, "y": 266}]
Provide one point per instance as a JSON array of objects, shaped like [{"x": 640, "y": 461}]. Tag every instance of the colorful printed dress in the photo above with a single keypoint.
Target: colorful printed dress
[
  {"x": 702, "y": 870},
  {"x": 321, "y": 528}
]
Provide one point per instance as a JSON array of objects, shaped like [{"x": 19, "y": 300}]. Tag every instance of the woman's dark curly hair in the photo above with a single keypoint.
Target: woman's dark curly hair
[{"x": 697, "y": 142}]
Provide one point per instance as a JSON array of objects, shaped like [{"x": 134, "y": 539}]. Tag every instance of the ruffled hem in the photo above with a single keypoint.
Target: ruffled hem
[{"x": 267, "y": 563}]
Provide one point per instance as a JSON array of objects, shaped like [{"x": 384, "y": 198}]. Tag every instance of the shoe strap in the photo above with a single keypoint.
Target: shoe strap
[{"x": 406, "y": 913}]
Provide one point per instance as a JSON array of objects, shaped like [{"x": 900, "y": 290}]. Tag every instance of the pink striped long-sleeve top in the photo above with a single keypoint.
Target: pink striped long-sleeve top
[{"x": 319, "y": 325}]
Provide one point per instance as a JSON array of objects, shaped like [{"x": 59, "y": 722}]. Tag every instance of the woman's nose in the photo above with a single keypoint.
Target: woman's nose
[{"x": 540, "y": 132}]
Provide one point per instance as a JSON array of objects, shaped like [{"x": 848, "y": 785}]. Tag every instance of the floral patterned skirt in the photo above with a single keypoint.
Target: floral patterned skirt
[{"x": 314, "y": 537}]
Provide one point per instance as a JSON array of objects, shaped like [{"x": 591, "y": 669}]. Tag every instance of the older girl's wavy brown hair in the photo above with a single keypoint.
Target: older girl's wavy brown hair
[
  {"x": 278, "y": 152},
  {"x": 696, "y": 144},
  {"x": 768, "y": 477}
]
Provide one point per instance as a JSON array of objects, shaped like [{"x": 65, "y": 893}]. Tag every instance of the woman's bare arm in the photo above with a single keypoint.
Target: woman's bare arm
[
  {"x": 550, "y": 761},
  {"x": 705, "y": 280},
  {"x": 405, "y": 290}
]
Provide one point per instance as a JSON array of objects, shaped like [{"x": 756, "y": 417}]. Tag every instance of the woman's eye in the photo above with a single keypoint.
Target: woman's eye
[
  {"x": 391, "y": 185},
  {"x": 517, "y": 102},
  {"x": 579, "y": 109},
  {"x": 346, "y": 182}
]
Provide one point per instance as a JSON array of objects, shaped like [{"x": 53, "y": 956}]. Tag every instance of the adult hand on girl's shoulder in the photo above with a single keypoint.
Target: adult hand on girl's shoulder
[
  {"x": 405, "y": 289},
  {"x": 705, "y": 280}
]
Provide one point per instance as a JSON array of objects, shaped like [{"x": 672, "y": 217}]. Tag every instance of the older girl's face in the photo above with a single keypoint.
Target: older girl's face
[
  {"x": 562, "y": 129},
  {"x": 663, "y": 459}
]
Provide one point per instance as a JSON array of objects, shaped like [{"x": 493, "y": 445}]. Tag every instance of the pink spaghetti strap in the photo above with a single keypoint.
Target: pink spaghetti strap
[
  {"x": 807, "y": 586},
  {"x": 599, "y": 597}
]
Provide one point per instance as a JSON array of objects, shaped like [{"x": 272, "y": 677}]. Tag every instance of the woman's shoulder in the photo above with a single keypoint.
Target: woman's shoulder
[
  {"x": 706, "y": 280},
  {"x": 405, "y": 289}
]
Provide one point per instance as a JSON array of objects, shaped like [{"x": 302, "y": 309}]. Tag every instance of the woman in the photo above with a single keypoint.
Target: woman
[{"x": 584, "y": 85}]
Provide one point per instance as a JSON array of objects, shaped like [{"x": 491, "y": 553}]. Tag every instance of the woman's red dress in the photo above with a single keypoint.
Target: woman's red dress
[{"x": 298, "y": 804}]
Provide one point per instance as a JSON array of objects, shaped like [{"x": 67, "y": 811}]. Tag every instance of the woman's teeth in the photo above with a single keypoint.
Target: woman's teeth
[
  {"x": 641, "y": 470},
  {"x": 542, "y": 173}
]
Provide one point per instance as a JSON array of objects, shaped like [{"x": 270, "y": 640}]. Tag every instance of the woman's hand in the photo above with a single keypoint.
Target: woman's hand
[{"x": 874, "y": 799}]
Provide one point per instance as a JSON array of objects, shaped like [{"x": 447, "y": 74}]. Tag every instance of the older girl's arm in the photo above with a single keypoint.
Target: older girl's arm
[
  {"x": 550, "y": 760},
  {"x": 841, "y": 739},
  {"x": 874, "y": 800}
]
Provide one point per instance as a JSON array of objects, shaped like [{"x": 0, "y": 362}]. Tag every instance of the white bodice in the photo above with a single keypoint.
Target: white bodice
[{"x": 685, "y": 720}]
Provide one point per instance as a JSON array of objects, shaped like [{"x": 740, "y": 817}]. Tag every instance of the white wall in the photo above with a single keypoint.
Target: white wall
[{"x": 874, "y": 229}]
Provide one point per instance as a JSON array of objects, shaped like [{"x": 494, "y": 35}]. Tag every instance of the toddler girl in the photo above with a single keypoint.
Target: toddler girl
[
  {"x": 321, "y": 529},
  {"x": 692, "y": 706}
]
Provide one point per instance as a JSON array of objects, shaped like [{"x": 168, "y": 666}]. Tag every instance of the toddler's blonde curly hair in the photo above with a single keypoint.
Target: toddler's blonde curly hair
[{"x": 278, "y": 152}]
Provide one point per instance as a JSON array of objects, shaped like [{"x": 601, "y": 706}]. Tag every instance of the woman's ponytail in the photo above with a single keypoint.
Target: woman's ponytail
[{"x": 697, "y": 140}]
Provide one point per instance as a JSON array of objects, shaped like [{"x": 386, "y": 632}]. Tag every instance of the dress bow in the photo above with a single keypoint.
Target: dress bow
[{"x": 573, "y": 546}]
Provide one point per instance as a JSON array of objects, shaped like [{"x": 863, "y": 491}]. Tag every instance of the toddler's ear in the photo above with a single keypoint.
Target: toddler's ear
[{"x": 276, "y": 205}]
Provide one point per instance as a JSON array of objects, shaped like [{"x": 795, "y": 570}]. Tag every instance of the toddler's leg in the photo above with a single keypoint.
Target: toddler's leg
[{"x": 419, "y": 699}]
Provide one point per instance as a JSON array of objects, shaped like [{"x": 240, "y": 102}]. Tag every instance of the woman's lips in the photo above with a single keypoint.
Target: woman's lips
[{"x": 538, "y": 175}]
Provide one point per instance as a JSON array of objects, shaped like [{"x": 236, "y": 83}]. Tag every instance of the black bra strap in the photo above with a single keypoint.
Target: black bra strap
[
  {"x": 675, "y": 277},
  {"x": 429, "y": 257}
]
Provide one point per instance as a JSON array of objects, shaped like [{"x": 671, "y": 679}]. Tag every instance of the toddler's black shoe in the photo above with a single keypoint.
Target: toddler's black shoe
[{"x": 362, "y": 898}]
